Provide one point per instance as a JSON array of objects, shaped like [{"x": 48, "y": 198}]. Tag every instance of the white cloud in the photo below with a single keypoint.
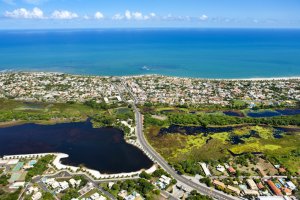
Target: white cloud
[
  {"x": 64, "y": 14},
  {"x": 98, "y": 15},
  {"x": 203, "y": 17},
  {"x": 138, "y": 16},
  {"x": 23, "y": 13},
  {"x": 128, "y": 15}
]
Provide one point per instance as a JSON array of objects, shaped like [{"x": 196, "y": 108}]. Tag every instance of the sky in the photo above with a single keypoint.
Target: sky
[{"x": 59, "y": 14}]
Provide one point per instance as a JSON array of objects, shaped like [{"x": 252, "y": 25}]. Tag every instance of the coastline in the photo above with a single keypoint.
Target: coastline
[{"x": 158, "y": 75}]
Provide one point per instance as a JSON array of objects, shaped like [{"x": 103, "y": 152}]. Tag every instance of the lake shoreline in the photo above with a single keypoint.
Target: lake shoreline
[{"x": 70, "y": 138}]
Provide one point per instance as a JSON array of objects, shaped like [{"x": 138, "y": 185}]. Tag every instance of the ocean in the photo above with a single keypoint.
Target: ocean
[{"x": 202, "y": 53}]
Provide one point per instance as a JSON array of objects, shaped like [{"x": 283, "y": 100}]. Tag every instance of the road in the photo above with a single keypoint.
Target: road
[
  {"x": 64, "y": 174},
  {"x": 180, "y": 179},
  {"x": 203, "y": 189}
]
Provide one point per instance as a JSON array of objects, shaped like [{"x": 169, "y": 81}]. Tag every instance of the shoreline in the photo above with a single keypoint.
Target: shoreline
[
  {"x": 156, "y": 75},
  {"x": 95, "y": 174},
  {"x": 8, "y": 124}
]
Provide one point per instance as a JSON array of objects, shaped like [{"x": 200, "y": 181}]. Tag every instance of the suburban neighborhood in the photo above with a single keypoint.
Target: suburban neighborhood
[{"x": 43, "y": 176}]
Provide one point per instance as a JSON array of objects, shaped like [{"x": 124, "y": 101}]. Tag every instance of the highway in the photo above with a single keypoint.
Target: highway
[
  {"x": 180, "y": 179},
  {"x": 203, "y": 189}
]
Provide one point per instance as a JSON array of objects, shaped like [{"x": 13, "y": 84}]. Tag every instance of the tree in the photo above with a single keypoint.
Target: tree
[
  {"x": 116, "y": 187},
  {"x": 4, "y": 180},
  {"x": 47, "y": 196},
  {"x": 71, "y": 193},
  {"x": 159, "y": 173},
  {"x": 39, "y": 167},
  {"x": 206, "y": 181},
  {"x": 145, "y": 175},
  {"x": 194, "y": 195}
]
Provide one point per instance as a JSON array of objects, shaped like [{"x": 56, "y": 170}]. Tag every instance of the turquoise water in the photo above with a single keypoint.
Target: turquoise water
[{"x": 207, "y": 53}]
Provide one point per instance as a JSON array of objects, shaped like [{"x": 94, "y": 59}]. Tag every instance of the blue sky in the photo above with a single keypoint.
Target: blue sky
[{"x": 40, "y": 14}]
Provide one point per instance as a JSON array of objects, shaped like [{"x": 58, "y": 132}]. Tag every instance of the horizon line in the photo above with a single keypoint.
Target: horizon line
[{"x": 152, "y": 28}]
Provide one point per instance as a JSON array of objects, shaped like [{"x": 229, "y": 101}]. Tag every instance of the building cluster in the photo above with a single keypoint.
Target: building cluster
[
  {"x": 16, "y": 169},
  {"x": 175, "y": 90},
  {"x": 59, "y": 187},
  {"x": 56, "y": 87},
  {"x": 265, "y": 187},
  {"x": 273, "y": 187},
  {"x": 86, "y": 192}
]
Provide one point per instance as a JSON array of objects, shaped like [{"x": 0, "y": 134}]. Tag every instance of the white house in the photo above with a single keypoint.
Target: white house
[{"x": 205, "y": 169}]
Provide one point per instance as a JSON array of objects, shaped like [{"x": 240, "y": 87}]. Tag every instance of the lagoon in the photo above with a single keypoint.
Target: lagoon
[{"x": 102, "y": 149}]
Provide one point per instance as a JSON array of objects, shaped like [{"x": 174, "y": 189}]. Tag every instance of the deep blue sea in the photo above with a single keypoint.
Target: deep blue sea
[{"x": 206, "y": 53}]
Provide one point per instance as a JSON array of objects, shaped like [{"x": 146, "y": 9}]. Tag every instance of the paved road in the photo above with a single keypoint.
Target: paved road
[
  {"x": 180, "y": 179},
  {"x": 64, "y": 174}
]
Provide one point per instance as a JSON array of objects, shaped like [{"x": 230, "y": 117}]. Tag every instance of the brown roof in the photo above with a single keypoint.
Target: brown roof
[
  {"x": 219, "y": 183},
  {"x": 287, "y": 191},
  {"x": 282, "y": 170},
  {"x": 231, "y": 170},
  {"x": 274, "y": 188},
  {"x": 260, "y": 186}
]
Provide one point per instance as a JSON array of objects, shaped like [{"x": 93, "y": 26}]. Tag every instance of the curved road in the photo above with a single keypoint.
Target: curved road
[{"x": 180, "y": 179}]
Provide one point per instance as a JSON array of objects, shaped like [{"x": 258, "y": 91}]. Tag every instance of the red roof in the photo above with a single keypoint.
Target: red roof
[
  {"x": 274, "y": 188},
  {"x": 260, "y": 186},
  {"x": 231, "y": 170}
]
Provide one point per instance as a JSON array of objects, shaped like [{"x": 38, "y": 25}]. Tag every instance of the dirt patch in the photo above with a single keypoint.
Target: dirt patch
[
  {"x": 160, "y": 117},
  {"x": 266, "y": 168}
]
